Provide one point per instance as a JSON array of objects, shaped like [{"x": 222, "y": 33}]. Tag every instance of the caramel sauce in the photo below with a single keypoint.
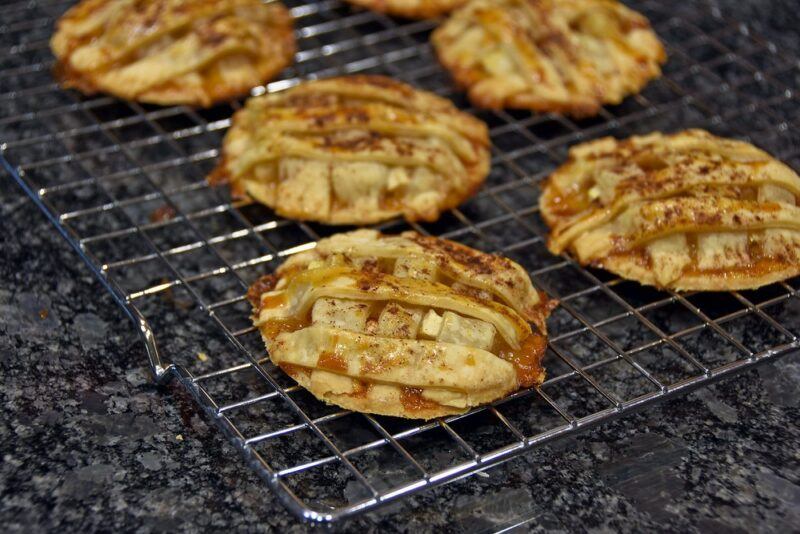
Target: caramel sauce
[
  {"x": 649, "y": 162},
  {"x": 262, "y": 285},
  {"x": 770, "y": 206},
  {"x": 274, "y": 327},
  {"x": 749, "y": 193},
  {"x": 220, "y": 175},
  {"x": 527, "y": 359},
  {"x": 691, "y": 240},
  {"x": 73, "y": 78},
  {"x": 331, "y": 361},
  {"x": 272, "y": 301},
  {"x": 162, "y": 214},
  {"x": 338, "y": 203},
  {"x": 391, "y": 201},
  {"x": 212, "y": 77},
  {"x": 569, "y": 204},
  {"x": 294, "y": 370},
  {"x": 413, "y": 401},
  {"x": 360, "y": 389},
  {"x": 756, "y": 269}
]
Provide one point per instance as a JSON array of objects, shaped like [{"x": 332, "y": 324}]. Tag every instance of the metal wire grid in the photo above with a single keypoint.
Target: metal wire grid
[{"x": 124, "y": 183}]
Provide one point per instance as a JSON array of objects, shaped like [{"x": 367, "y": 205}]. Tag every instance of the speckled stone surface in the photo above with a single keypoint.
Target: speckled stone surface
[{"x": 89, "y": 444}]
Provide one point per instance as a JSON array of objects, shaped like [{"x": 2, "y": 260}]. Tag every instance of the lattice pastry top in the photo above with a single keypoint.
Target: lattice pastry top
[
  {"x": 354, "y": 150},
  {"x": 405, "y": 325},
  {"x": 564, "y": 56},
  {"x": 415, "y": 9},
  {"x": 194, "y": 52},
  {"x": 688, "y": 211}
]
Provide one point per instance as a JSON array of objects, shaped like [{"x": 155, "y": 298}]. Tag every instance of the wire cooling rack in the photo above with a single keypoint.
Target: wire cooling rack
[{"x": 124, "y": 183}]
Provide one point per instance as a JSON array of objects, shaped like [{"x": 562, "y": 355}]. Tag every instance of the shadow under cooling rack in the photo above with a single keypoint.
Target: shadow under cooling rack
[{"x": 125, "y": 184}]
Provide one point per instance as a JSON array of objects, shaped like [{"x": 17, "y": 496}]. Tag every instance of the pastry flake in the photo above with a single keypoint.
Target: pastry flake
[
  {"x": 354, "y": 150},
  {"x": 194, "y": 52},
  {"x": 404, "y": 325},
  {"x": 688, "y": 211},
  {"x": 413, "y": 9},
  {"x": 563, "y": 56}
]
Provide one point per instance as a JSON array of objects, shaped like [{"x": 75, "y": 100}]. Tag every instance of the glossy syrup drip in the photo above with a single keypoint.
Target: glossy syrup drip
[
  {"x": 569, "y": 203},
  {"x": 332, "y": 361},
  {"x": 272, "y": 328},
  {"x": 262, "y": 285},
  {"x": 754, "y": 269},
  {"x": 527, "y": 360},
  {"x": 360, "y": 388},
  {"x": 413, "y": 401}
]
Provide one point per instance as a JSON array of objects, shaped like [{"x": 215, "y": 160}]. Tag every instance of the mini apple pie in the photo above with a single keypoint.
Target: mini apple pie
[
  {"x": 404, "y": 325},
  {"x": 563, "y": 56},
  {"x": 414, "y": 9},
  {"x": 354, "y": 150},
  {"x": 194, "y": 52},
  {"x": 688, "y": 211}
]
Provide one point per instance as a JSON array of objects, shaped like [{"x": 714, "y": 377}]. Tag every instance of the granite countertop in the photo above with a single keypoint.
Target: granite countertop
[{"x": 89, "y": 443}]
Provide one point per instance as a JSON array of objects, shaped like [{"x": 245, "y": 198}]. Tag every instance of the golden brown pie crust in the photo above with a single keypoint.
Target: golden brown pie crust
[
  {"x": 354, "y": 150},
  {"x": 688, "y": 211},
  {"x": 562, "y": 56},
  {"x": 195, "y": 52}
]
